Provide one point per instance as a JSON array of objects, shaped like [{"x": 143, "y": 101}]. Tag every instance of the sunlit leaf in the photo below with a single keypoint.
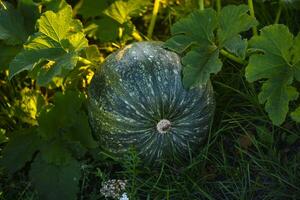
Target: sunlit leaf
[
  {"x": 3, "y": 137},
  {"x": 29, "y": 105},
  {"x": 122, "y": 11},
  {"x": 58, "y": 41}
]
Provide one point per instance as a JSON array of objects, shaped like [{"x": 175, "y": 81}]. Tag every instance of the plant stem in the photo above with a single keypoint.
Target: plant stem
[
  {"x": 233, "y": 57},
  {"x": 136, "y": 35},
  {"x": 201, "y": 4},
  {"x": 252, "y": 13},
  {"x": 278, "y": 14},
  {"x": 219, "y": 5},
  {"x": 153, "y": 18},
  {"x": 3, "y": 5},
  {"x": 85, "y": 61}
]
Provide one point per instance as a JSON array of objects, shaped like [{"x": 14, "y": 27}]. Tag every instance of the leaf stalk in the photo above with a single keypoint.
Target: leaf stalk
[
  {"x": 153, "y": 18},
  {"x": 85, "y": 61},
  {"x": 3, "y": 5},
  {"x": 201, "y": 4},
  {"x": 233, "y": 57},
  {"x": 278, "y": 14},
  {"x": 219, "y": 6},
  {"x": 252, "y": 14}
]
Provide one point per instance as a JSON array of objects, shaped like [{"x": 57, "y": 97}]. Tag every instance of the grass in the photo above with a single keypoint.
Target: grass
[{"x": 245, "y": 157}]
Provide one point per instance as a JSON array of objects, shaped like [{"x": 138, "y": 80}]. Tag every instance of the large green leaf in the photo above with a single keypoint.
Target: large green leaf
[
  {"x": 275, "y": 65},
  {"x": 30, "y": 12},
  {"x": 12, "y": 28},
  {"x": 7, "y": 53},
  {"x": 296, "y": 115},
  {"x": 233, "y": 20},
  {"x": 57, "y": 26},
  {"x": 61, "y": 116},
  {"x": 65, "y": 120},
  {"x": 20, "y": 149},
  {"x": 122, "y": 11},
  {"x": 199, "y": 64},
  {"x": 194, "y": 37},
  {"x": 92, "y": 8},
  {"x": 55, "y": 152},
  {"x": 237, "y": 46},
  {"x": 296, "y": 57},
  {"x": 58, "y": 41},
  {"x": 196, "y": 29},
  {"x": 107, "y": 29},
  {"x": 55, "y": 181}
]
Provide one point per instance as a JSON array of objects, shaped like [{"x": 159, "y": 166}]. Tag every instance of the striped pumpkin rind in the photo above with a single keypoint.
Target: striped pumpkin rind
[{"x": 135, "y": 89}]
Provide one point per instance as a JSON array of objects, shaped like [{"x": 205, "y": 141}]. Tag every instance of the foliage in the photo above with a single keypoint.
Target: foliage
[
  {"x": 49, "y": 51},
  {"x": 194, "y": 37},
  {"x": 204, "y": 34},
  {"x": 280, "y": 64}
]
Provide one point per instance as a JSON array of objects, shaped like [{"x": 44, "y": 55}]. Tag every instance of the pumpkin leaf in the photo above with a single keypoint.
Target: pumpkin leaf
[
  {"x": 205, "y": 62},
  {"x": 7, "y": 53},
  {"x": 93, "y": 54},
  {"x": 92, "y": 8},
  {"x": 29, "y": 105},
  {"x": 58, "y": 117},
  {"x": 232, "y": 21},
  {"x": 296, "y": 115},
  {"x": 81, "y": 132},
  {"x": 3, "y": 137},
  {"x": 57, "y": 44},
  {"x": 20, "y": 149},
  {"x": 12, "y": 28},
  {"x": 194, "y": 37},
  {"x": 56, "y": 153},
  {"x": 30, "y": 12},
  {"x": 65, "y": 119},
  {"x": 275, "y": 65},
  {"x": 61, "y": 180},
  {"x": 237, "y": 46},
  {"x": 296, "y": 57},
  {"x": 122, "y": 11},
  {"x": 195, "y": 32},
  {"x": 107, "y": 29}
]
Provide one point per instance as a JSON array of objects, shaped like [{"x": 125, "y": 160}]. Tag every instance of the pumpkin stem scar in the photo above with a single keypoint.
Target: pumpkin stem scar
[{"x": 163, "y": 126}]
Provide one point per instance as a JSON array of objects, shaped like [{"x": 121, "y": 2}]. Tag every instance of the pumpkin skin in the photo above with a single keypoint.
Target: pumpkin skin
[{"x": 136, "y": 99}]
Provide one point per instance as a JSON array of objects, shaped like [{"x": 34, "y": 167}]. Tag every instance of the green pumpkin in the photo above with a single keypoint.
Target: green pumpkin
[{"x": 136, "y": 99}]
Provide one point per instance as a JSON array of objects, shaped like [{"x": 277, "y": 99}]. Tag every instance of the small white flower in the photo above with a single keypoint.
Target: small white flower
[
  {"x": 114, "y": 188},
  {"x": 124, "y": 196}
]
